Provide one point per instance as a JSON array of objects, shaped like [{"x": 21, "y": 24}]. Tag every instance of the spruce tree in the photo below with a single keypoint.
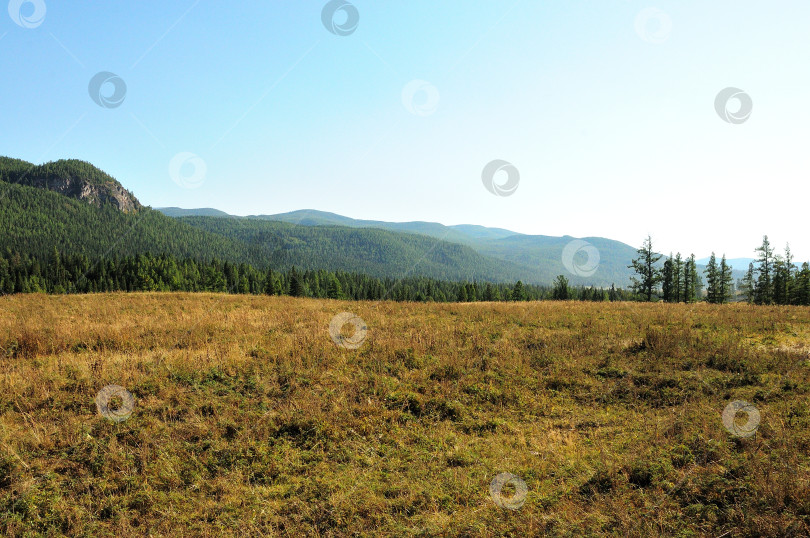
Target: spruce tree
[
  {"x": 748, "y": 284},
  {"x": 644, "y": 266},
  {"x": 561, "y": 291},
  {"x": 296, "y": 286},
  {"x": 713, "y": 279},
  {"x": 334, "y": 289},
  {"x": 726, "y": 281},
  {"x": 668, "y": 281},
  {"x": 677, "y": 278},
  {"x": 517, "y": 292},
  {"x": 696, "y": 281},
  {"x": 764, "y": 287}
]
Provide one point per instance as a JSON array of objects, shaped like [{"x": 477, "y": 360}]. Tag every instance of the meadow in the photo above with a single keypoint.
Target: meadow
[{"x": 249, "y": 418}]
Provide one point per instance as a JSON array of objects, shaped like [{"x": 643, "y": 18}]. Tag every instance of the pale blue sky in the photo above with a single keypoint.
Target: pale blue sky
[{"x": 610, "y": 122}]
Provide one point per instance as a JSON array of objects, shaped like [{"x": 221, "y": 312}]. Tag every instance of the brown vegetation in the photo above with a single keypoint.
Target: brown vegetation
[{"x": 249, "y": 420}]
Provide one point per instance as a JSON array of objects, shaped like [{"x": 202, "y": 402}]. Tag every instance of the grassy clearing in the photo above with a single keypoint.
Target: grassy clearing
[{"x": 249, "y": 420}]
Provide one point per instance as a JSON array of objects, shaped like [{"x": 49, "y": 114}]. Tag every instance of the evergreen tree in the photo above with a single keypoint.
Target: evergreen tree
[
  {"x": 561, "y": 291},
  {"x": 296, "y": 287},
  {"x": 801, "y": 288},
  {"x": 462, "y": 294},
  {"x": 677, "y": 274},
  {"x": 613, "y": 295},
  {"x": 517, "y": 292},
  {"x": 764, "y": 287},
  {"x": 714, "y": 281},
  {"x": 334, "y": 289},
  {"x": 748, "y": 285},
  {"x": 726, "y": 281},
  {"x": 644, "y": 266},
  {"x": 668, "y": 280},
  {"x": 692, "y": 283},
  {"x": 270, "y": 283}
]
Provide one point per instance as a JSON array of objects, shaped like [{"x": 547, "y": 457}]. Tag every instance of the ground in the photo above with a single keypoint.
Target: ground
[{"x": 249, "y": 419}]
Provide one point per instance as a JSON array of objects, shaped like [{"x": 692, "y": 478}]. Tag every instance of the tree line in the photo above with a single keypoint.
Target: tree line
[
  {"x": 61, "y": 273},
  {"x": 771, "y": 279}
]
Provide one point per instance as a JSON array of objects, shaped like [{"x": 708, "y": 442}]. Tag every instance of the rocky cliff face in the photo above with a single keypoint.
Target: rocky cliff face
[{"x": 107, "y": 193}]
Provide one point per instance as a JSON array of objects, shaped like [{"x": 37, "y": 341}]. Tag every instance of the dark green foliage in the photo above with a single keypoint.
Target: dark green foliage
[
  {"x": 517, "y": 292},
  {"x": 667, "y": 280},
  {"x": 67, "y": 273},
  {"x": 561, "y": 292},
  {"x": 775, "y": 279},
  {"x": 764, "y": 288},
  {"x": 645, "y": 267}
]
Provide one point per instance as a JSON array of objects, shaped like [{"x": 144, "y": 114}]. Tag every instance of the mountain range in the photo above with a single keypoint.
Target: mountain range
[{"x": 74, "y": 207}]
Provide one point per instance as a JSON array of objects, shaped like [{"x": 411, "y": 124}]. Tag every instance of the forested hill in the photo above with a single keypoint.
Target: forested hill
[
  {"x": 37, "y": 222},
  {"x": 73, "y": 178},
  {"x": 379, "y": 253},
  {"x": 534, "y": 258},
  {"x": 72, "y": 207}
]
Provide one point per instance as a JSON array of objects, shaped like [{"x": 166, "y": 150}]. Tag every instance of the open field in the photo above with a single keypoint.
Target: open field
[{"x": 249, "y": 420}]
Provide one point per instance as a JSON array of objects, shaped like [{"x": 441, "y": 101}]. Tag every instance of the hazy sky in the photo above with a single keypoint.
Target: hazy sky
[{"x": 606, "y": 109}]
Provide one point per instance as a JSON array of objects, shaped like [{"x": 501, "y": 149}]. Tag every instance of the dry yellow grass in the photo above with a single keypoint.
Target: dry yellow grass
[{"x": 249, "y": 420}]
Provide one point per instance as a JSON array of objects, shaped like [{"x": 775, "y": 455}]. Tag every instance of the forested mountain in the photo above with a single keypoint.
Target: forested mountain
[
  {"x": 73, "y": 178},
  {"x": 37, "y": 221},
  {"x": 72, "y": 207},
  {"x": 535, "y": 258},
  {"x": 379, "y": 253}
]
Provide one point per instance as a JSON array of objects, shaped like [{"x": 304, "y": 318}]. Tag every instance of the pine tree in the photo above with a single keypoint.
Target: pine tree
[
  {"x": 270, "y": 283},
  {"x": 801, "y": 288},
  {"x": 334, "y": 289},
  {"x": 783, "y": 277},
  {"x": 517, "y": 292},
  {"x": 296, "y": 286},
  {"x": 764, "y": 288},
  {"x": 726, "y": 281},
  {"x": 668, "y": 280},
  {"x": 644, "y": 266},
  {"x": 748, "y": 285},
  {"x": 696, "y": 282},
  {"x": 462, "y": 294},
  {"x": 677, "y": 274},
  {"x": 714, "y": 284},
  {"x": 561, "y": 291},
  {"x": 489, "y": 295}
]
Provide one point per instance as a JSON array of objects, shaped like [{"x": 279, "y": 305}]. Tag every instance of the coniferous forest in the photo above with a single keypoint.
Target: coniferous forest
[{"x": 65, "y": 273}]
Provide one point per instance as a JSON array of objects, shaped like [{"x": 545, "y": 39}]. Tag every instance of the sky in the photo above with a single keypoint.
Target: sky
[{"x": 608, "y": 118}]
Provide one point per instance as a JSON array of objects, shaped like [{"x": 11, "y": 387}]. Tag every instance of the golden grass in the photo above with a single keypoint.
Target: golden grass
[{"x": 249, "y": 420}]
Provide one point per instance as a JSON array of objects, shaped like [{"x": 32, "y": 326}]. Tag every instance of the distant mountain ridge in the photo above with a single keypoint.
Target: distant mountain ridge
[
  {"x": 535, "y": 258},
  {"x": 738, "y": 264}
]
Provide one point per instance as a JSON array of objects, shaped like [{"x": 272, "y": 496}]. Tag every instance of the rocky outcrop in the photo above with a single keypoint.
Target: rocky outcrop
[
  {"x": 110, "y": 192},
  {"x": 73, "y": 178}
]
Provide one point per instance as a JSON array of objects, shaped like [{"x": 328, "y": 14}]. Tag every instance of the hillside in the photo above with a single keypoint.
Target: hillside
[
  {"x": 532, "y": 258},
  {"x": 379, "y": 253},
  {"x": 73, "y": 178},
  {"x": 37, "y": 220}
]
